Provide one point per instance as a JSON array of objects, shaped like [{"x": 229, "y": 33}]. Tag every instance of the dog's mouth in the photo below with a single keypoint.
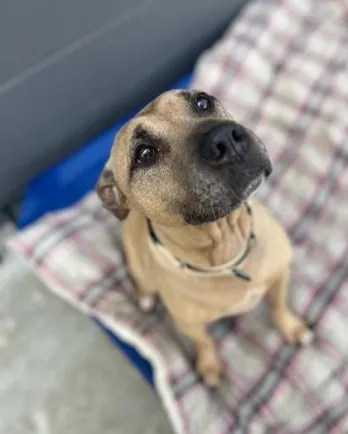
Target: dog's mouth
[
  {"x": 240, "y": 198},
  {"x": 211, "y": 209},
  {"x": 251, "y": 189}
]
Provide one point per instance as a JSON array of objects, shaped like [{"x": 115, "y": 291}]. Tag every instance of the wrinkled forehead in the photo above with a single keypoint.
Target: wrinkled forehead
[
  {"x": 172, "y": 111},
  {"x": 161, "y": 115},
  {"x": 182, "y": 103},
  {"x": 170, "y": 106}
]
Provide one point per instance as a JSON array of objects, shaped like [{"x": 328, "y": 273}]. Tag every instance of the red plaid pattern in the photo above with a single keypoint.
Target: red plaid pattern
[{"x": 282, "y": 70}]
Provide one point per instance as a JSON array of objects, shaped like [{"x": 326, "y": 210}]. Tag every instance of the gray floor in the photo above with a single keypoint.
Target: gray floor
[{"x": 58, "y": 372}]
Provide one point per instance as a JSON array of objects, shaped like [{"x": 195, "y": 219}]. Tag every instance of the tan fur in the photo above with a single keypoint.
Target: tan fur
[{"x": 194, "y": 301}]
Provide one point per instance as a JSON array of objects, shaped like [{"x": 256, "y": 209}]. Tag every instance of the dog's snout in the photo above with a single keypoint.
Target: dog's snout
[{"x": 224, "y": 143}]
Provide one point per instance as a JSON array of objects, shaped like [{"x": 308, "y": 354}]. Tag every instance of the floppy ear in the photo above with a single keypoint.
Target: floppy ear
[{"x": 111, "y": 196}]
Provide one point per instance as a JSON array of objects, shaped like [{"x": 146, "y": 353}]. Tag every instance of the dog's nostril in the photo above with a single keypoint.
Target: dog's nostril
[
  {"x": 216, "y": 152},
  {"x": 220, "y": 151},
  {"x": 238, "y": 134}
]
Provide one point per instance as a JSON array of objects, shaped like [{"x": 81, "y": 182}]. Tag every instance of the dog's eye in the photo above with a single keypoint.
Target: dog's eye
[
  {"x": 145, "y": 155},
  {"x": 203, "y": 102}
]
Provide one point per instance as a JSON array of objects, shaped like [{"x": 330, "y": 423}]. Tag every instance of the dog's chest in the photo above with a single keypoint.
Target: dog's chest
[{"x": 249, "y": 299}]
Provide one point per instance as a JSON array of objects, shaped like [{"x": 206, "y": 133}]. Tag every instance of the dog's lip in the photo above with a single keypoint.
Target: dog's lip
[
  {"x": 251, "y": 189},
  {"x": 254, "y": 186}
]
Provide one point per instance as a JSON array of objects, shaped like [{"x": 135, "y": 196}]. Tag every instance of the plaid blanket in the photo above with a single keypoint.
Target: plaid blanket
[{"x": 282, "y": 70}]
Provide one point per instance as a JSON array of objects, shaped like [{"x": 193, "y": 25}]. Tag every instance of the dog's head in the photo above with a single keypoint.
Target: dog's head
[{"x": 182, "y": 159}]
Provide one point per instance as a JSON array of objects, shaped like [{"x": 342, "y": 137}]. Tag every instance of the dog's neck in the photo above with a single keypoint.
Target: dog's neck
[{"x": 209, "y": 244}]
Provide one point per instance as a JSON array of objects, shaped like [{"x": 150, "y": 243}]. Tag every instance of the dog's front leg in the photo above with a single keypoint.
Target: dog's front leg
[
  {"x": 145, "y": 295},
  {"x": 208, "y": 363},
  {"x": 290, "y": 325}
]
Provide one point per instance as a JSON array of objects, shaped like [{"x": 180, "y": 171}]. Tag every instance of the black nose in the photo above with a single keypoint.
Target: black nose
[{"x": 224, "y": 143}]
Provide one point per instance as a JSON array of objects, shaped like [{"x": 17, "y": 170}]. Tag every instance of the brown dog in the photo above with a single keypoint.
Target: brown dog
[{"x": 179, "y": 176}]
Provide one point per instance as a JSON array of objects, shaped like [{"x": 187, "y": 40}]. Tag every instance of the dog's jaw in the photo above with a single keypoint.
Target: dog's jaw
[{"x": 209, "y": 212}]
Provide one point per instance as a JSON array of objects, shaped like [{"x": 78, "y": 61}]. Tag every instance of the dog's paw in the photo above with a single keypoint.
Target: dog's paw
[
  {"x": 211, "y": 378},
  {"x": 294, "y": 329},
  {"x": 306, "y": 337},
  {"x": 146, "y": 303},
  {"x": 210, "y": 371}
]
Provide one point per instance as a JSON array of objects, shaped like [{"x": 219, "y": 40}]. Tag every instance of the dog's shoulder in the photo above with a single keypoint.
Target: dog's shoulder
[
  {"x": 271, "y": 236},
  {"x": 134, "y": 233},
  {"x": 267, "y": 223}
]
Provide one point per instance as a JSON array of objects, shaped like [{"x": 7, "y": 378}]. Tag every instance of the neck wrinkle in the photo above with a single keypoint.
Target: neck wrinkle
[{"x": 210, "y": 244}]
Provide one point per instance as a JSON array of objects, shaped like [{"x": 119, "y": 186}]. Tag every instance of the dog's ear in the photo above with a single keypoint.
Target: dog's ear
[{"x": 111, "y": 196}]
